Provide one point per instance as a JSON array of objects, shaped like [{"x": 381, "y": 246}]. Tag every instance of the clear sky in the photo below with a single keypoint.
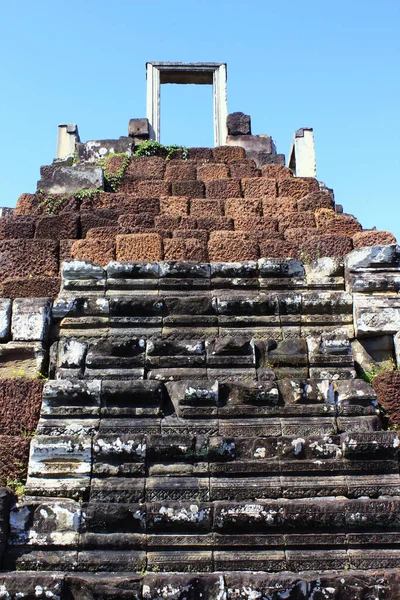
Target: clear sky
[{"x": 333, "y": 66}]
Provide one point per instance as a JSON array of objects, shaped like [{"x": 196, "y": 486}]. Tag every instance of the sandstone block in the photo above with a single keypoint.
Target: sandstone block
[
  {"x": 174, "y": 206},
  {"x": 214, "y": 223},
  {"x": 241, "y": 169},
  {"x": 304, "y": 219},
  {"x": 139, "y": 128},
  {"x": 242, "y": 207},
  {"x": 327, "y": 245},
  {"x": 200, "y": 154},
  {"x": 145, "y": 167},
  {"x": 375, "y": 256},
  {"x": 31, "y": 319},
  {"x": 232, "y": 248},
  {"x": 193, "y": 189},
  {"x": 226, "y": 153},
  {"x": 28, "y": 258},
  {"x": 211, "y": 171},
  {"x": 223, "y": 188},
  {"x": 17, "y": 226},
  {"x": 297, "y": 187},
  {"x": 238, "y": 124},
  {"x": 153, "y": 189},
  {"x": 185, "y": 249},
  {"x": 315, "y": 200},
  {"x": 14, "y": 455},
  {"x": 279, "y": 206},
  {"x": 58, "y": 227},
  {"x": 37, "y": 287},
  {"x": 259, "y": 187},
  {"x": 277, "y": 172},
  {"x": 20, "y": 402},
  {"x": 387, "y": 388},
  {"x": 167, "y": 222},
  {"x": 374, "y": 315},
  {"x": 99, "y": 233},
  {"x": 188, "y": 223},
  {"x": 255, "y": 223},
  {"x": 67, "y": 180},
  {"x": 98, "y": 218},
  {"x": 100, "y": 252},
  {"x": 95, "y": 150},
  {"x": 196, "y": 234},
  {"x": 180, "y": 171},
  {"x": 206, "y": 208},
  {"x": 139, "y": 247},
  {"x": 141, "y": 220},
  {"x": 276, "y": 248},
  {"x": 371, "y": 237}
]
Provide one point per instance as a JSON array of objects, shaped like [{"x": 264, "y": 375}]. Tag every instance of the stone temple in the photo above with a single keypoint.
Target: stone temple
[{"x": 198, "y": 373}]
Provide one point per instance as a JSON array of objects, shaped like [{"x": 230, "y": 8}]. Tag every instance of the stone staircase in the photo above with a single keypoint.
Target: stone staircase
[{"x": 204, "y": 435}]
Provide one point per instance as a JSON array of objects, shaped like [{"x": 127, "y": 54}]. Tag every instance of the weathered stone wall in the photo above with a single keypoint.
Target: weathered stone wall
[
  {"x": 202, "y": 432},
  {"x": 217, "y": 205}
]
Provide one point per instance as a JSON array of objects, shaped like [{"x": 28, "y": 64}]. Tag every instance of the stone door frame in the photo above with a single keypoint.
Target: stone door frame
[{"x": 213, "y": 74}]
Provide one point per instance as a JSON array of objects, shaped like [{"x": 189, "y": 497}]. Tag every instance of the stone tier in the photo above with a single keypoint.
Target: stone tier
[
  {"x": 215, "y": 206},
  {"x": 203, "y": 432}
]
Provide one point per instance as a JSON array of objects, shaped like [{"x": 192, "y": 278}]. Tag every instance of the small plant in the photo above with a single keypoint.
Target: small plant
[
  {"x": 27, "y": 435},
  {"x": 40, "y": 376},
  {"x": 306, "y": 258},
  {"x": 18, "y": 373},
  {"x": 50, "y": 205},
  {"x": 385, "y": 367},
  {"x": 153, "y": 148},
  {"x": 114, "y": 167},
  {"x": 84, "y": 194},
  {"x": 16, "y": 486}
]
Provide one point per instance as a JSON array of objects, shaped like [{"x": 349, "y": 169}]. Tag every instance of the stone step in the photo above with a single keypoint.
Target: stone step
[{"x": 339, "y": 584}]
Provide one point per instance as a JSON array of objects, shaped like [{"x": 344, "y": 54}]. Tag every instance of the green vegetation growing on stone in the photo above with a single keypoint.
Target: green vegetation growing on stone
[
  {"x": 370, "y": 374},
  {"x": 153, "y": 148},
  {"x": 114, "y": 167},
  {"x": 50, "y": 205}
]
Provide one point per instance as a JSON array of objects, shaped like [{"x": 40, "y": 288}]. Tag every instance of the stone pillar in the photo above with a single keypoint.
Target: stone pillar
[
  {"x": 153, "y": 101},
  {"x": 302, "y": 154},
  {"x": 220, "y": 106},
  {"x": 67, "y": 137}
]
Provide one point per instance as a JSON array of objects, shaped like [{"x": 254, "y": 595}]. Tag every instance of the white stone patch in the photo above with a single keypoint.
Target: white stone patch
[
  {"x": 72, "y": 353},
  {"x": 5, "y": 318},
  {"x": 183, "y": 515},
  {"x": 118, "y": 446},
  {"x": 260, "y": 453},
  {"x": 30, "y": 319},
  {"x": 298, "y": 445},
  {"x": 196, "y": 348}
]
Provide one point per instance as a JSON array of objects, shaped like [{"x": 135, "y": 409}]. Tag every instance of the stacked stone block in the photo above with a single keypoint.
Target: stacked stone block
[
  {"x": 205, "y": 420},
  {"x": 202, "y": 432},
  {"x": 188, "y": 206}
]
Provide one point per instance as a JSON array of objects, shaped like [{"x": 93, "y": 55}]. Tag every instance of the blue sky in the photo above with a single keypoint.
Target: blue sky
[{"x": 333, "y": 66}]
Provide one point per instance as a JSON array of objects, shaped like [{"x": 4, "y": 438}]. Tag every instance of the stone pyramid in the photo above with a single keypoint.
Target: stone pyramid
[{"x": 187, "y": 342}]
